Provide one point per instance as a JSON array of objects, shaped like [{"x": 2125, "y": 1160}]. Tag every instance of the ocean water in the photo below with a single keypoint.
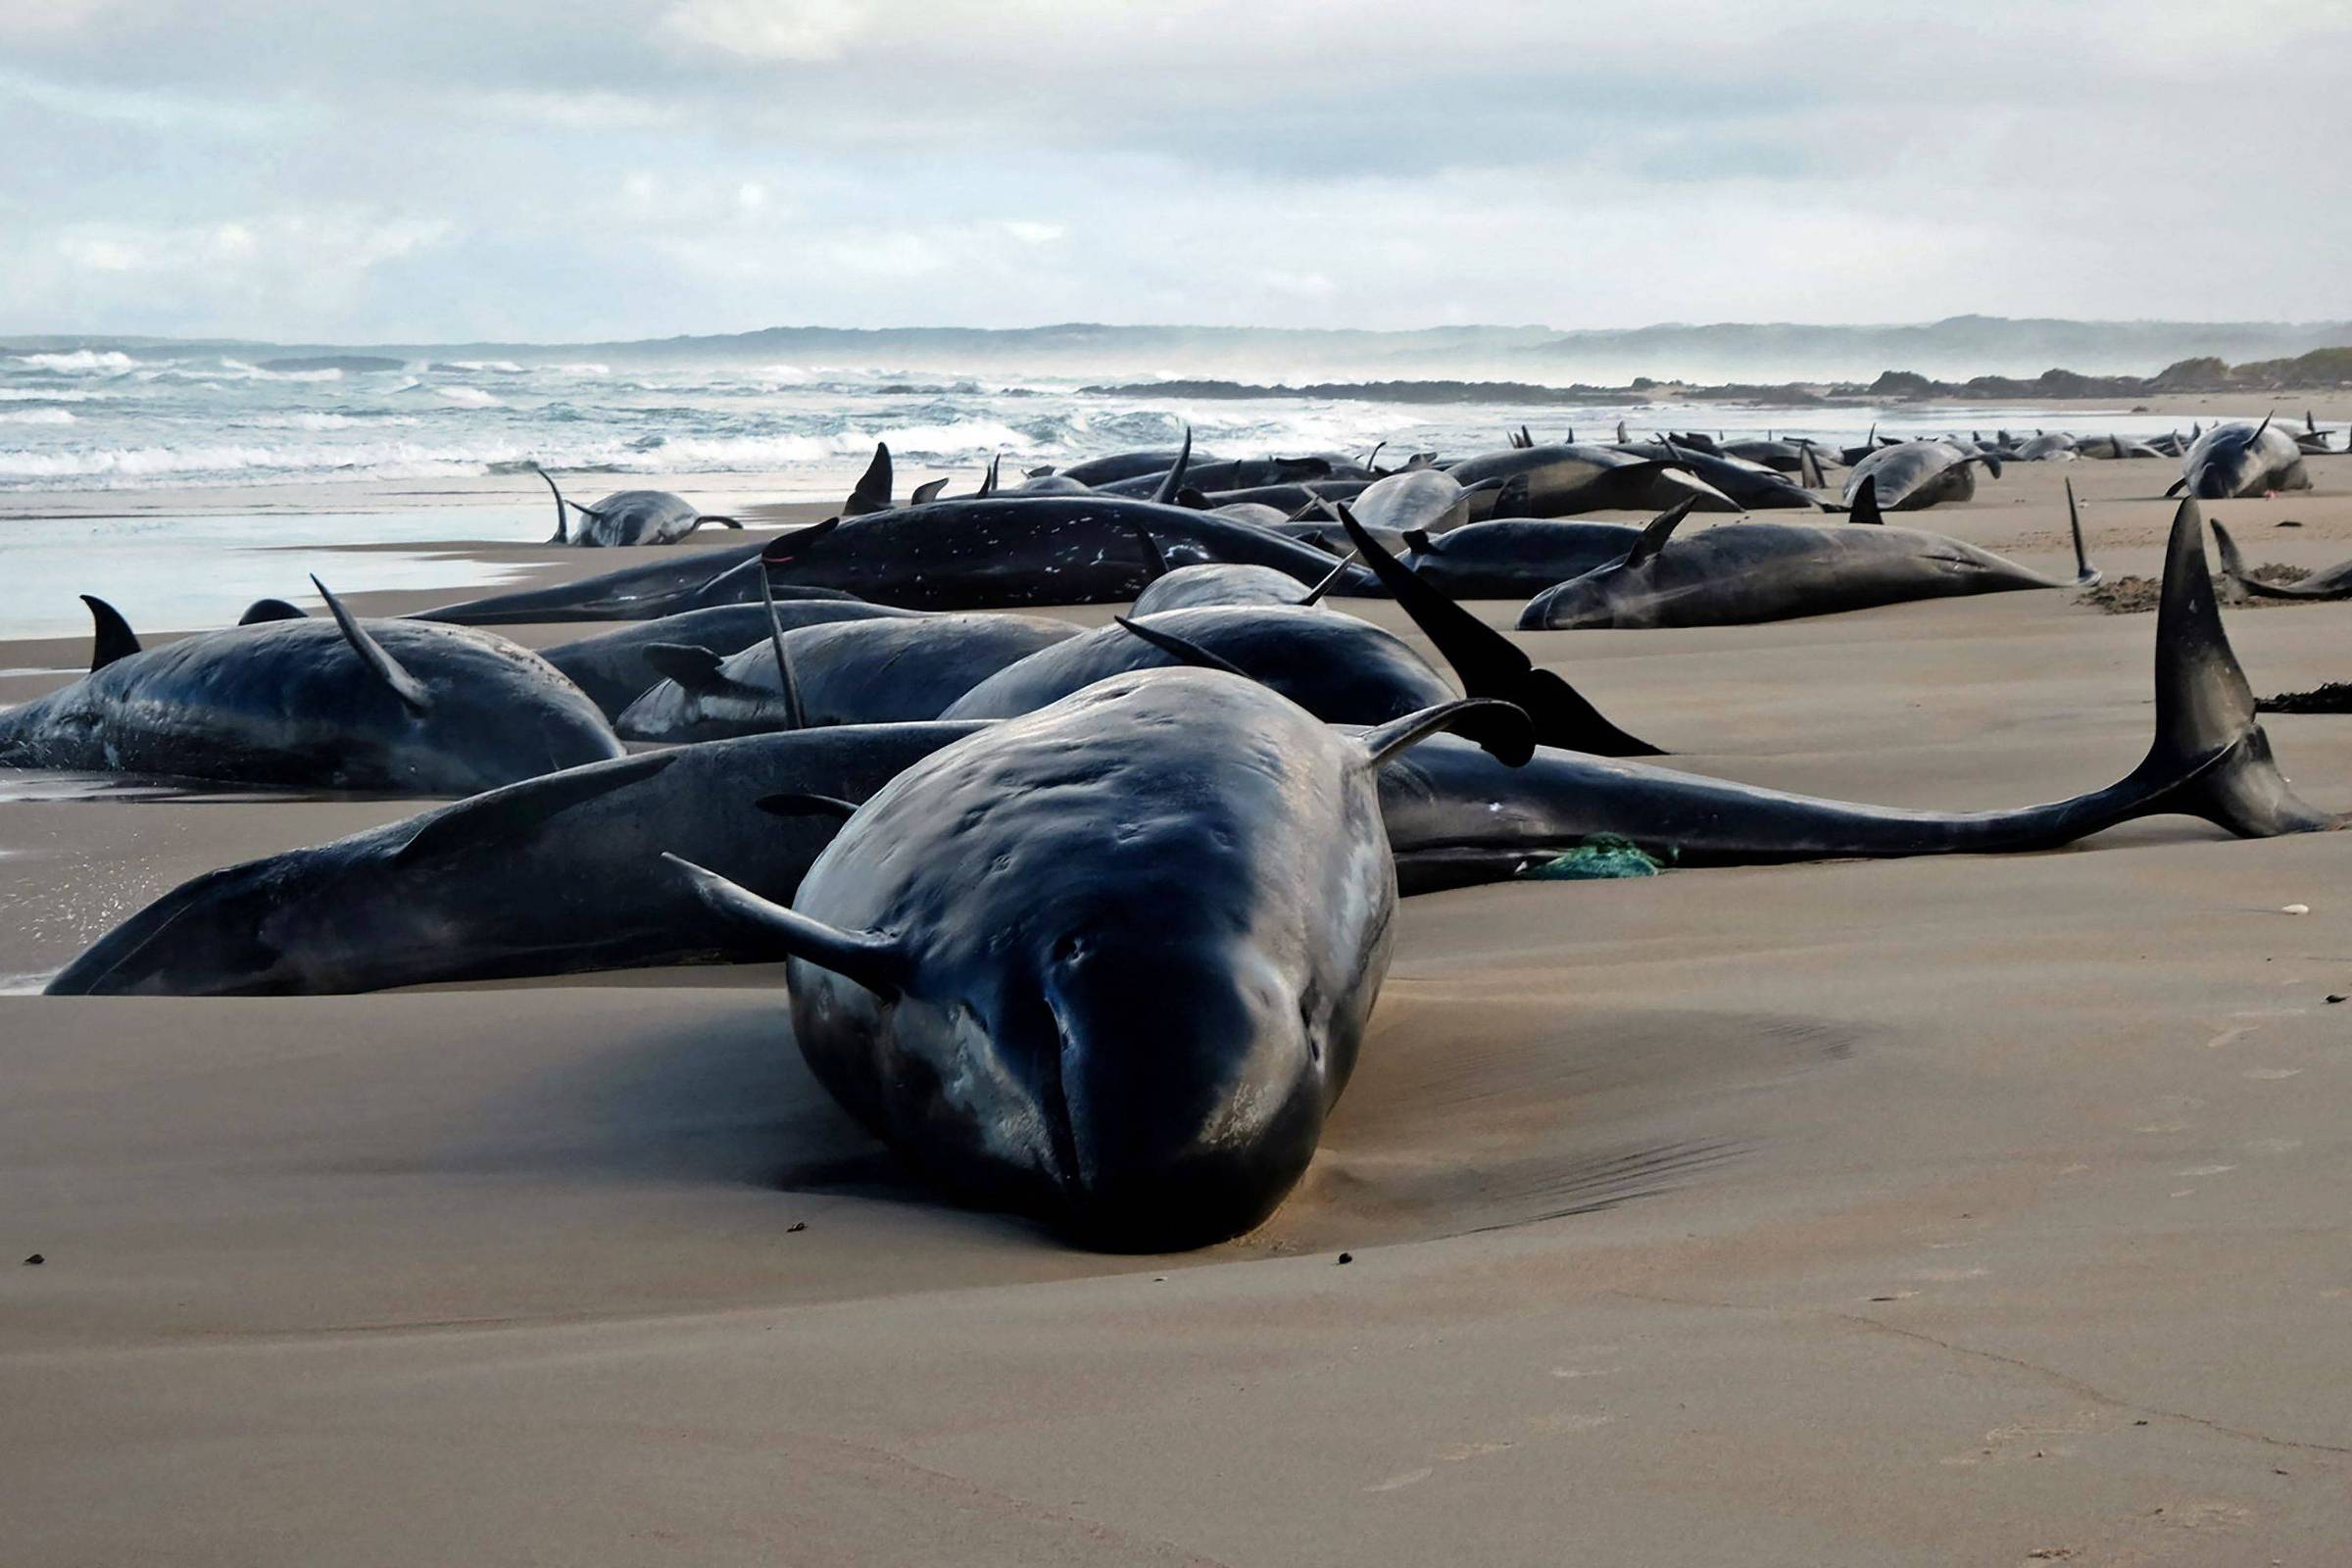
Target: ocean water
[{"x": 114, "y": 420}]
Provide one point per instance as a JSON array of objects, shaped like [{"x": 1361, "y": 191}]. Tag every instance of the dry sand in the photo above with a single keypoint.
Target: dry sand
[{"x": 1965, "y": 1211}]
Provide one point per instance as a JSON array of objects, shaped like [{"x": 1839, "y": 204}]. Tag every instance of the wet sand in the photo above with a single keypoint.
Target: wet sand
[{"x": 1964, "y": 1211}]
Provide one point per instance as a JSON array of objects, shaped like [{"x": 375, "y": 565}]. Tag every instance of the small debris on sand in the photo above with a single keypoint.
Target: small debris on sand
[{"x": 2135, "y": 596}]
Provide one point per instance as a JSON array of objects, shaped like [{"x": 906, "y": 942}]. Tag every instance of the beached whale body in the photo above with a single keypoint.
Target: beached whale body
[
  {"x": 1915, "y": 474},
  {"x": 1515, "y": 557},
  {"x": 1011, "y": 551},
  {"x": 611, "y": 668},
  {"x": 1557, "y": 482},
  {"x": 1753, "y": 485},
  {"x": 1758, "y": 571},
  {"x": 1109, "y": 964},
  {"x": 555, "y": 875},
  {"x": 2332, "y": 582},
  {"x": 628, "y": 518},
  {"x": 386, "y": 706},
  {"x": 2241, "y": 460},
  {"x": 1455, "y": 818},
  {"x": 843, "y": 672}
]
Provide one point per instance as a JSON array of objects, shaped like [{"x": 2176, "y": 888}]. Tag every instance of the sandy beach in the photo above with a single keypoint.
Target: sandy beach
[{"x": 1954, "y": 1212}]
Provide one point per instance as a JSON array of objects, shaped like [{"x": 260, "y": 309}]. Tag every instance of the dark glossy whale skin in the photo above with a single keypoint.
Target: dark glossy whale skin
[
  {"x": 2243, "y": 459},
  {"x": 1338, "y": 669},
  {"x": 1117, "y": 466},
  {"x": 1011, "y": 551},
  {"x": 1515, "y": 557},
  {"x": 1565, "y": 480},
  {"x": 1129, "y": 944},
  {"x": 556, "y": 875},
  {"x": 638, "y": 518},
  {"x": 1747, "y": 572},
  {"x": 700, "y": 580},
  {"x": 1916, "y": 474},
  {"x": 1455, "y": 818},
  {"x": 1220, "y": 583},
  {"x": 886, "y": 671},
  {"x": 290, "y": 704},
  {"x": 1754, "y": 486},
  {"x": 1239, "y": 473},
  {"x": 611, "y": 665}
]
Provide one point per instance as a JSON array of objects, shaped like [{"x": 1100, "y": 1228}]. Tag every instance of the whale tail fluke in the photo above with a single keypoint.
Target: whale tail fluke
[{"x": 2207, "y": 734}]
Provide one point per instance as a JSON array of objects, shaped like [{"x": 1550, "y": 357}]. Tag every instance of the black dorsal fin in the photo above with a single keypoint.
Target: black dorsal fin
[
  {"x": 987, "y": 480},
  {"x": 1491, "y": 665},
  {"x": 407, "y": 687},
  {"x": 927, "y": 491},
  {"x": 1502, "y": 728},
  {"x": 873, "y": 487},
  {"x": 1417, "y": 540},
  {"x": 1515, "y": 498},
  {"x": 110, "y": 636},
  {"x": 2086, "y": 574},
  {"x": 2264, "y": 426},
  {"x": 503, "y": 813},
  {"x": 1658, "y": 532},
  {"x": 1866, "y": 500},
  {"x": 868, "y": 958},
  {"x": 562, "y": 524},
  {"x": 1173, "y": 480},
  {"x": 263, "y": 610},
  {"x": 801, "y": 805},
  {"x": 1182, "y": 648},
  {"x": 1808, "y": 468}
]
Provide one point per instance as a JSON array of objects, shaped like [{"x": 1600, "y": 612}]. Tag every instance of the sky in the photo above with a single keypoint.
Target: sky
[{"x": 565, "y": 170}]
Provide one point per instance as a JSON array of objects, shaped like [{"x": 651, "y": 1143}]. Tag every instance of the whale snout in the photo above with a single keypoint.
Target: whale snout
[{"x": 1191, "y": 1091}]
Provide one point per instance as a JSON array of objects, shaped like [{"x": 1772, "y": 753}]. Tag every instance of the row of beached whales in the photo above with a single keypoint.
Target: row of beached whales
[
  {"x": 1085, "y": 922},
  {"x": 1559, "y": 480}
]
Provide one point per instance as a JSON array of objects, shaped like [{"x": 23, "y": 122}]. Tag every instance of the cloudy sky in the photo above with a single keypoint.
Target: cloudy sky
[{"x": 550, "y": 169}]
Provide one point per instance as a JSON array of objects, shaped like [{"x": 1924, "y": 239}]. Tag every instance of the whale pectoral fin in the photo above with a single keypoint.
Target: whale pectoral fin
[
  {"x": 873, "y": 487},
  {"x": 508, "y": 813},
  {"x": 1865, "y": 506},
  {"x": 1182, "y": 648},
  {"x": 868, "y": 958},
  {"x": 1502, "y": 729},
  {"x": 2176, "y": 487},
  {"x": 928, "y": 491},
  {"x": 1514, "y": 499},
  {"x": 1173, "y": 482},
  {"x": 722, "y": 521},
  {"x": 786, "y": 681},
  {"x": 806, "y": 805},
  {"x": 110, "y": 636},
  {"x": 1489, "y": 664},
  {"x": 382, "y": 665},
  {"x": 1330, "y": 580},
  {"x": 1153, "y": 556}
]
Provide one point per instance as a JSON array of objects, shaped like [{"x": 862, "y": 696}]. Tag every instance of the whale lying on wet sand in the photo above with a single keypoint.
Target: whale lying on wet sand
[
  {"x": 339, "y": 704},
  {"x": 1109, "y": 964}
]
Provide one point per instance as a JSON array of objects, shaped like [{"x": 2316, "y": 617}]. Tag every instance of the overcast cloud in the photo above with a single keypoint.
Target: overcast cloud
[{"x": 556, "y": 169}]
